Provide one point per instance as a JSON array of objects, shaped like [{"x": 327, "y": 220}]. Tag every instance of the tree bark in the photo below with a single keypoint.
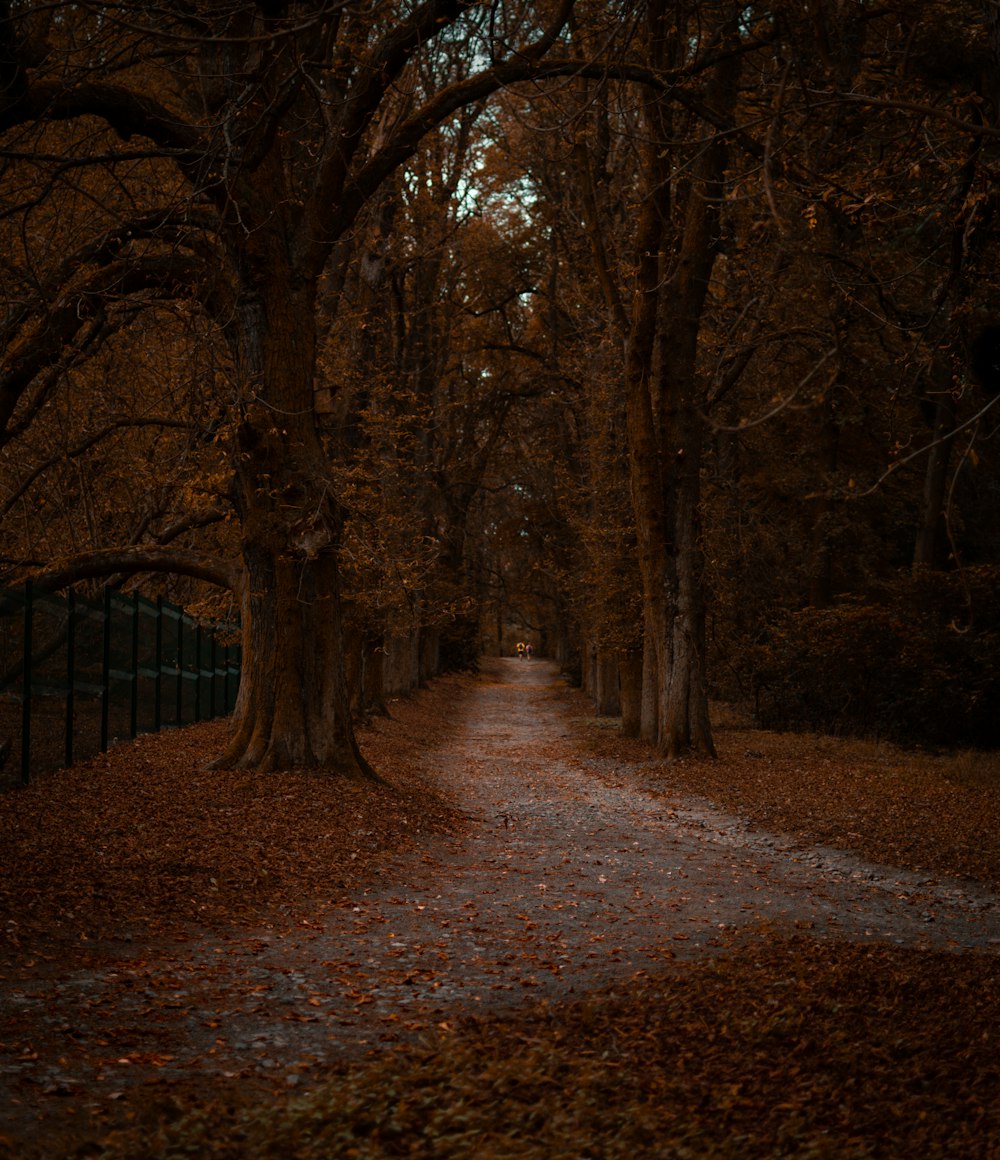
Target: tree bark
[
  {"x": 127, "y": 561},
  {"x": 930, "y": 549},
  {"x": 664, "y": 423},
  {"x": 630, "y": 684},
  {"x": 606, "y": 691},
  {"x": 294, "y": 708}
]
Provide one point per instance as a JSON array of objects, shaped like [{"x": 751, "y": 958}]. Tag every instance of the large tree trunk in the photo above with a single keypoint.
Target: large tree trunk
[
  {"x": 649, "y": 497},
  {"x": 664, "y": 423},
  {"x": 294, "y": 708}
]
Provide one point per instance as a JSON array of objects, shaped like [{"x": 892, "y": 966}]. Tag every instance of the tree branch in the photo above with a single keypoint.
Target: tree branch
[
  {"x": 27, "y": 358},
  {"x": 141, "y": 558},
  {"x": 85, "y": 445},
  {"x": 127, "y": 112}
]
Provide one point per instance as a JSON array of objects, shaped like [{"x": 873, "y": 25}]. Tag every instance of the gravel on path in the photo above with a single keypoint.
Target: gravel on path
[{"x": 568, "y": 878}]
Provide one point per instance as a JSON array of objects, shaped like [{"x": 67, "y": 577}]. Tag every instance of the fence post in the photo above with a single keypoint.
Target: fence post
[
  {"x": 133, "y": 720},
  {"x": 213, "y": 664},
  {"x": 106, "y": 673},
  {"x": 70, "y": 674},
  {"x": 233, "y": 686},
  {"x": 158, "y": 668},
  {"x": 226, "y": 681},
  {"x": 179, "y": 696},
  {"x": 197, "y": 671},
  {"x": 26, "y": 688}
]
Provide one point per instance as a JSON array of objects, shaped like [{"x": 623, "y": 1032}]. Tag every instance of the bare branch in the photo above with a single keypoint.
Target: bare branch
[
  {"x": 946, "y": 438},
  {"x": 127, "y": 112},
  {"x": 91, "y": 440}
]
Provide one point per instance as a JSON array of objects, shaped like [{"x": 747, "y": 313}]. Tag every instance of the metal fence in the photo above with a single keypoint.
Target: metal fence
[{"x": 76, "y": 675}]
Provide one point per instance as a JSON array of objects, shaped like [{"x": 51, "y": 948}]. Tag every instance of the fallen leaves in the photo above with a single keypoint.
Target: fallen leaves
[
  {"x": 144, "y": 841},
  {"x": 799, "y": 1047},
  {"x": 935, "y": 814},
  {"x": 756, "y": 1054}
]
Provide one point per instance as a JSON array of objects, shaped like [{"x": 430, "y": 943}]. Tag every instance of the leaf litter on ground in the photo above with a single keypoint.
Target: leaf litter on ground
[{"x": 778, "y": 1047}]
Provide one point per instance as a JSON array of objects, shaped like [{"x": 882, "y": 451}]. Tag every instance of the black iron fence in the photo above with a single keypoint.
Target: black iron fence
[{"x": 76, "y": 675}]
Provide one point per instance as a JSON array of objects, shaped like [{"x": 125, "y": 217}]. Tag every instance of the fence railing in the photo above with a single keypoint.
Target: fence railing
[{"x": 76, "y": 675}]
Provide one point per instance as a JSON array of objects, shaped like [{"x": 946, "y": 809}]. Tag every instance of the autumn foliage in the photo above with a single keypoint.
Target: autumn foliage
[
  {"x": 775, "y": 1042},
  {"x": 665, "y": 336}
]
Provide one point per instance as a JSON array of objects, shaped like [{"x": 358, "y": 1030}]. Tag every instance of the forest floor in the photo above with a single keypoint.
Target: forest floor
[{"x": 535, "y": 940}]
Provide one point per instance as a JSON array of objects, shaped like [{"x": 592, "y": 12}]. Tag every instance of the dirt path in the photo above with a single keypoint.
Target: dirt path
[{"x": 569, "y": 878}]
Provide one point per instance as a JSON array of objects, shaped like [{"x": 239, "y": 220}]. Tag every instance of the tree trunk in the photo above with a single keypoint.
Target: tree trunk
[
  {"x": 930, "y": 548},
  {"x": 821, "y": 555},
  {"x": 664, "y": 424},
  {"x": 649, "y": 719},
  {"x": 630, "y": 683},
  {"x": 644, "y": 453},
  {"x": 400, "y": 662},
  {"x": 372, "y": 676},
  {"x": 606, "y": 690},
  {"x": 294, "y": 708},
  {"x": 685, "y": 722},
  {"x": 430, "y": 653}
]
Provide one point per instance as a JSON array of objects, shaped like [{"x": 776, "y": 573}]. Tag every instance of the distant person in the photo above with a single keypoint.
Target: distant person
[
  {"x": 520, "y": 650},
  {"x": 528, "y": 650}
]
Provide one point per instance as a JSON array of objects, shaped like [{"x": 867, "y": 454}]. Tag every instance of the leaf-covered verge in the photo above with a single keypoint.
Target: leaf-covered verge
[
  {"x": 937, "y": 813},
  {"x": 780, "y": 1047},
  {"x": 784, "y": 1048},
  {"x": 146, "y": 840}
]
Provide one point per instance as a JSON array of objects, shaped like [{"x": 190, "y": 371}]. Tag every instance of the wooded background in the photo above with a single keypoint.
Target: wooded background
[{"x": 665, "y": 335}]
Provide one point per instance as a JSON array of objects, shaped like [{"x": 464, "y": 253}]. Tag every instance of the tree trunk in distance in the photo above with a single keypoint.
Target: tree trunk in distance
[
  {"x": 821, "y": 556},
  {"x": 928, "y": 549},
  {"x": 665, "y": 427},
  {"x": 630, "y": 684},
  {"x": 606, "y": 695}
]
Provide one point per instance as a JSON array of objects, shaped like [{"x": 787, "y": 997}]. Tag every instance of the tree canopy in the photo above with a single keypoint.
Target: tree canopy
[{"x": 664, "y": 335}]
